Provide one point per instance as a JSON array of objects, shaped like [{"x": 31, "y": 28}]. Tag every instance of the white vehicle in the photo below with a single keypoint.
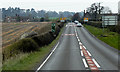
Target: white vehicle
[
  {"x": 76, "y": 22},
  {"x": 79, "y": 25}
]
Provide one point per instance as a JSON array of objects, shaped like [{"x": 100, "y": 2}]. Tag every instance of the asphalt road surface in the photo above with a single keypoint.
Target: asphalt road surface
[{"x": 77, "y": 49}]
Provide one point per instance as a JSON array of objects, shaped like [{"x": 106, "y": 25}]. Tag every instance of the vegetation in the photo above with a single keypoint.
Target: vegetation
[
  {"x": 27, "y": 61},
  {"x": 98, "y": 24},
  {"x": 111, "y": 38},
  {"x": 31, "y": 15},
  {"x": 13, "y": 31},
  {"x": 31, "y": 43}
]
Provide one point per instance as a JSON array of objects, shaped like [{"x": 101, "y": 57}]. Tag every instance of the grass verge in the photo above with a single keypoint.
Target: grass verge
[
  {"x": 111, "y": 38},
  {"x": 27, "y": 61}
]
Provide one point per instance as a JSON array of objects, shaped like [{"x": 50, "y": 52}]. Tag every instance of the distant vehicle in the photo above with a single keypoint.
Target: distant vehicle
[
  {"x": 76, "y": 22},
  {"x": 79, "y": 25}
]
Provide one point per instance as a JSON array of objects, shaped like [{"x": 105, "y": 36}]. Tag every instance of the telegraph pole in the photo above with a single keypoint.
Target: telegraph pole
[{"x": 99, "y": 7}]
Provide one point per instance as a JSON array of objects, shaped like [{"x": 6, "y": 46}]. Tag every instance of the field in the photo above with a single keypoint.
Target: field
[{"x": 12, "y": 32}]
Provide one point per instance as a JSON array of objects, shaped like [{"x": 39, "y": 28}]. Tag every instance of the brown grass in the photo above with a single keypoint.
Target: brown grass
[{"x": 11, "y": 32}]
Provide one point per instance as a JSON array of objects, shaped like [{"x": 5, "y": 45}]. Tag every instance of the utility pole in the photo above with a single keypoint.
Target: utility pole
[{"x": 99, "y": 8}]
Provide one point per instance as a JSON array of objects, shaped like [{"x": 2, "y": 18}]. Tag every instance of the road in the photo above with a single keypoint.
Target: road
[{"x": 77, "y": 49}]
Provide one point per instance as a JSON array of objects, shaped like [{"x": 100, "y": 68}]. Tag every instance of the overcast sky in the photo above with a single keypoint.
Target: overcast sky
[{"x": 58, "y": 5}]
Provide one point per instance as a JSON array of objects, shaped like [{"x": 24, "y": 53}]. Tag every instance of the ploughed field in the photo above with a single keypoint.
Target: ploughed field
[{"x": 12, "y": 32}]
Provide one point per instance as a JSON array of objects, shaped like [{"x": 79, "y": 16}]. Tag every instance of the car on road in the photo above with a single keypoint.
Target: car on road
[
  {"x": 76, "y": 22},
  {"x": 79, "y": 25}
]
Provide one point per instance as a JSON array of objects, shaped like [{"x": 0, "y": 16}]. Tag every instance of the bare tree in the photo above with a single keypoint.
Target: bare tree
[{"x": 106, "y": 10}]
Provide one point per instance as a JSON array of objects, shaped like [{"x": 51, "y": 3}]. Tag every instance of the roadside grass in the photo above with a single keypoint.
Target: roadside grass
[
  {"x": 111, "y": 38},
  {"x": 27, "y": 61}
]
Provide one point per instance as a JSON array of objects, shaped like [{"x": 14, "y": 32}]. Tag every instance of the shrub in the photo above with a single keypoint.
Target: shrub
[
  {"x": 44, "y": 38},
  {"x": 57, "y": 30},
  {"x": 31, "y": 44},
  {"x": 24, "y": 45},
  {"x": 114, "y": 28}
]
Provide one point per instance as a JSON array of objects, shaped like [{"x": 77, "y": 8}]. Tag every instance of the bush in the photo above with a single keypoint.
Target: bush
[
  {"x": 31, "y": 44},
  {"x": 95, "y": 24},
  {"x": 27, "y": 45},
  {"x": 44, "y": 39},
  {"x": 114, "y": 28},
  {"x": 24, "y": 45},
  {"x": 57, "y": 30}
]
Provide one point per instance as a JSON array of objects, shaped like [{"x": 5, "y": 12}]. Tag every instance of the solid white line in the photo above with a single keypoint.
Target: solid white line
[
  {"x": 96, "y": 63},
  {"x": 89, "y": 53},
  {"x": 81, "y": 53},
  {"x": 55, "y": 47},
  {"x": 47, "y": 58},
  {"x": 84, "y": 47},
  {"x": 85, "y": 64}
]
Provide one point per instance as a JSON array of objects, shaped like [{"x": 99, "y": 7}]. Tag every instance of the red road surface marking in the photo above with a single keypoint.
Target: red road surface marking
[{"x": 89, "y": 60}]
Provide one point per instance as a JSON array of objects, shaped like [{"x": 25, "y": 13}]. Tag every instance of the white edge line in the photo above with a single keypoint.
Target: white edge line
[
  {"x": 81, "y": 53},
  {"x": 96, "y": 63},
  {"x": 89, "y": 53},
  {"x": 85, "y": 64},
  {"x": 47, "y": 58},
  {"x": 55, "y": 47}
]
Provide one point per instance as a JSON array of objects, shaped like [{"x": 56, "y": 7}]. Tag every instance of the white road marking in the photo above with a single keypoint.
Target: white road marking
[
  {"x": 93, "y": 68},
  {"x": 80, "y": 43},
  {"x": 55, "y": 47},
  {"x": 85, "y": 63},
  {"x": 84, "y": 47},
  {"x": 80, "y": 47},
  {"x": 77, "y": 37},
  {"x": 47, "y": 58},
  {"x": 89, "y": 53},
  {"x": 66, "y": 25},
  {"x": 81, "y": 53},
  {"x": 78, "y": 40},
  {"x": 96, "y": 63}
]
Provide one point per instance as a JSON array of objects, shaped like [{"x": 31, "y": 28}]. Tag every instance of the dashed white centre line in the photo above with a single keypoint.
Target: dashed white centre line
[
  {"x": 80, "y": 43},
  {"x": 81, "y": 53},
  {"x": 78, "y": 40},
  {"x": 77, "y": 37},
  {"x": 85, "y": 63},
  {"x": 80, "y": 47},
  {"x": 96, "y": 63}
]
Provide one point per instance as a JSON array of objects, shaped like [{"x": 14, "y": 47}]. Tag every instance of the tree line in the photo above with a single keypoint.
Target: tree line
[{"x": 17, "y": 14}]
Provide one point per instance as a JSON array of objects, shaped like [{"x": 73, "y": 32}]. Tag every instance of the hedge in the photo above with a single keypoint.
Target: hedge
[{"x": 31, "y": 44}]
